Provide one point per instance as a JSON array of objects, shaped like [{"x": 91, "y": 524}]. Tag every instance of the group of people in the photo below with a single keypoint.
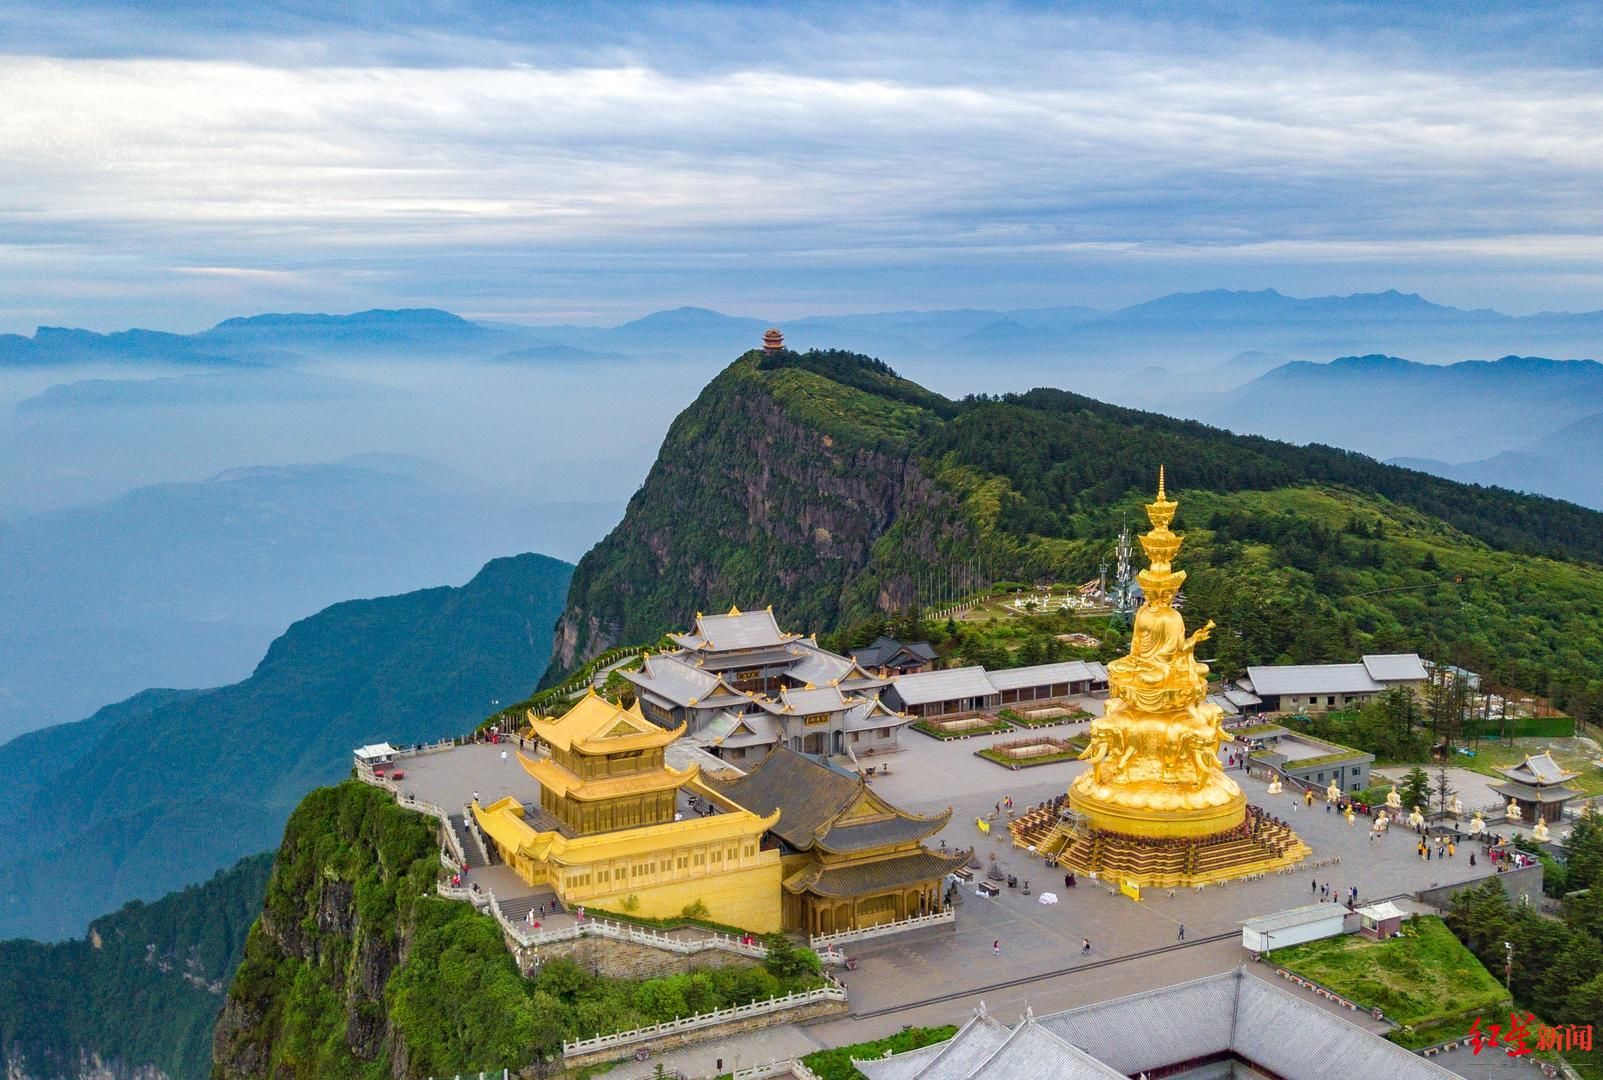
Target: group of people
[
  {"x": 1328, "y": 893},
  {"x": 1441, "y": 848}
]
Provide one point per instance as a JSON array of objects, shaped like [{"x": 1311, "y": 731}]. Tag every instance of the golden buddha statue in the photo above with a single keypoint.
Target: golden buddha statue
[{"x": 1154, "y": 752}]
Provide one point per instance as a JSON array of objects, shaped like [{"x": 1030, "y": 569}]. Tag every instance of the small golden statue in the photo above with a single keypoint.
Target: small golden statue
[
  {"x": 1513, "y": 811},
  {"x": 1417, "y": 818},
  {"x": 1540, "y": 834},
  {"x": 1477, "y": 824},
  {"x": 1333, "y": 793},
  {"x": 1458, "y": 807},
  {"x": 1275, "y": 787},
  {"x": 1394, "y": 800}
]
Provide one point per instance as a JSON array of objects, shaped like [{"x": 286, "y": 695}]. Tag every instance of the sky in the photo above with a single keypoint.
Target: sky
[{"x": 171, "y": 164}]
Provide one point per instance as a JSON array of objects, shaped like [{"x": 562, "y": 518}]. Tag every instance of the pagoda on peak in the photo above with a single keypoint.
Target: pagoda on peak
[
  {"x": 1155, "y": 807},
  {"x": 773, "y": 341}
]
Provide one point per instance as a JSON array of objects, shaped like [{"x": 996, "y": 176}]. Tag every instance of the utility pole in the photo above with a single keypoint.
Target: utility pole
[{"x": 1508, "y": 967}]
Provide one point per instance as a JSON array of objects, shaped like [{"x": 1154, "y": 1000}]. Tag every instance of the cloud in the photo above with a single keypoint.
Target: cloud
[{"x": 605, "y": 146}]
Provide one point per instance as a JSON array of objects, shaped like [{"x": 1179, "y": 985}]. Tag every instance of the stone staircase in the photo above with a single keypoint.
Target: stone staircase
[
  {"x": 518, "y": 908},
  {"x": 470, "y": 844}
]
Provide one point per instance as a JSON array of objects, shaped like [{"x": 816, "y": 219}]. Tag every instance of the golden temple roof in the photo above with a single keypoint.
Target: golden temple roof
[
  {"x": 597, "y": 726},
  {"x": 504, "y": 822},
  {"x": 560, "y": 781}
]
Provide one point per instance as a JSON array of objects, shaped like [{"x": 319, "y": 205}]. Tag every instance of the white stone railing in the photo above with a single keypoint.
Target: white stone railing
[
  {"x": 367, "y": 776},
  {"x": 788, "y": 1067},
  {"x": 883, "y": 929},
  {"x": 831, "y": 991},
  {"x": 592, "y": 927}
]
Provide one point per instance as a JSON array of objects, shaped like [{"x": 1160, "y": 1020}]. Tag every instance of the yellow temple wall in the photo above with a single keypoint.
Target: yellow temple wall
[{"x": 747, "y": 897}]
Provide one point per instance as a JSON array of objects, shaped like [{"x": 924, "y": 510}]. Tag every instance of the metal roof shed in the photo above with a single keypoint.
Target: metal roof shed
[{"x": 1310, "y": 922}]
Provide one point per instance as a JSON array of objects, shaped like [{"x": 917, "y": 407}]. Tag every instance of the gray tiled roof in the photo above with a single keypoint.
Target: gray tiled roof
[
  {"x": 845, "y": 839},
  {"x": 746, "y": 630},
  {"x": 673, "y": 679},
  {"x": 1312, "y": 679},
  {"x": 1232, "y": 1012},
  {"x": 1069, "y": 671},
  {"x": 1033, "y": 1051},
  {"x": 974, "y": 1042},
  {"x": 764, "y": 731},
  {"x": 885, "y": 648},
  {"x": 866, "y": 877},
  {"x": 1547, "y": 793},
  {"x": 927, "y": 686},
  {"x": 872, "y": 714},
  {"x": 1394, "y": 667},
  {"x": 1538, "y": 769},
  {"x": 822, "y": 699}
]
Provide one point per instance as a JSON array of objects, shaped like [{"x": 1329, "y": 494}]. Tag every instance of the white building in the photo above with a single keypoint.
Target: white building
[{"x": 1311, "y": 922}]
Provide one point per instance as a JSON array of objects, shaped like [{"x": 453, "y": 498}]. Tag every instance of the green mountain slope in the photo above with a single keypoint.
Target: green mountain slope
[
  {"x": 827, "y": 486},
  {"x": 162, "y": 790},
  {"x": 141, "y": 991}
]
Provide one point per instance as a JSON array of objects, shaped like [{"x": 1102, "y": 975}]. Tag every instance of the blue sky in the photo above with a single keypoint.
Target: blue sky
[{"x": 171, "y": 164}]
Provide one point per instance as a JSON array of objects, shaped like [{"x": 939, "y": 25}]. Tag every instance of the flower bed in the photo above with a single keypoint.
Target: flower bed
[
  {"x": 1043, "y": 717},
  {"x": 972, "y": 725}
]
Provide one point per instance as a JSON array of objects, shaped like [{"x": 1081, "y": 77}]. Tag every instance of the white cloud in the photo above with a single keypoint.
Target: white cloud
[{"x": 1107, "y": 138}]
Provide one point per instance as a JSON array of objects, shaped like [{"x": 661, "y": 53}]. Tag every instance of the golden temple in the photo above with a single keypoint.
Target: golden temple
[{"x": 1155, "y": 807}]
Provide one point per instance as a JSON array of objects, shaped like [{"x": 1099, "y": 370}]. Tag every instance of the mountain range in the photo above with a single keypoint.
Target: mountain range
[
  {"x": 162, "y": 789},
  {"x": 1180, "y": 332},
  {"x": 186, "y": 584}
]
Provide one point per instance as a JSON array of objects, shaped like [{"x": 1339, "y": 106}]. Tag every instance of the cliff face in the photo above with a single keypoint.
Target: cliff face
[
  {"x": 774, "y": 487},
  {"x": 309, "y": 998}
]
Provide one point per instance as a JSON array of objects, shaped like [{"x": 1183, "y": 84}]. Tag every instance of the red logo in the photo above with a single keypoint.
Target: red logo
[{"x": 1515, "y": 1038}]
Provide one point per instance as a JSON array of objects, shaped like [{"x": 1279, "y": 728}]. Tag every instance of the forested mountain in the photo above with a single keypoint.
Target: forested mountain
[
  {"x": 140, "y": 991},
  {"x": 160, "y": 791},
  {"x": 826, "y": 485}
]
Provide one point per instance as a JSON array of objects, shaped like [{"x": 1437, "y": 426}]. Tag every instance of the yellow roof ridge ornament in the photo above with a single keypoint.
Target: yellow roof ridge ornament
[
  {"x": 734, "y": 610},
  {"x": 809, "y": 686}
]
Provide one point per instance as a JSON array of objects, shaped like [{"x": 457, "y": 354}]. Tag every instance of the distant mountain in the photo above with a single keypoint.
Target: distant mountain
[
  {"x": 1567, "y": 464},
  {"x": 1389, "y": 407},
  {"x": 556, "y": 354},
  {"x": 406, "y": 332},
  {"x": 1181, "y": 332},
  {"x": 233, "y": 386},
  {"x": 141, "y": 992},
  {"x": 160, "y": 791},
  {"x": 186, "y": 584}
]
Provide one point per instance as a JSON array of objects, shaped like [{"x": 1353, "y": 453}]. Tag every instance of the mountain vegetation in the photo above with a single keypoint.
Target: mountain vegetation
[
  {"x": 141, "y": 991},
  {"x": 162, "y": 790},
  {"x": 356, "y": 970},
  {"x": 826, "y": 485}
]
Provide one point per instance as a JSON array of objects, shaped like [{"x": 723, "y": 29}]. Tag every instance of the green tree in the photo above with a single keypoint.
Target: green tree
[
  {"x": 1415, "y": 788},
  {"x": 785, "y": 961}
]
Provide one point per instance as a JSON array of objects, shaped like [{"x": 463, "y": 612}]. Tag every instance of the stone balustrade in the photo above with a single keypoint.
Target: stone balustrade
[
  {"x": 527, "y": 936},
  {"x": 901, "y": 925},
  {"x": 832, "y": 992},
  {"x": 790, "y": 1067}
]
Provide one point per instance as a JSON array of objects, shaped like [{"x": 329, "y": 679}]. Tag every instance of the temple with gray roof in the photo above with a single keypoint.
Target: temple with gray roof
[
  {"x": 1192, "y": 1028},
  {"x": 1539, "y": 786},
  {"x": 742, "y": 686}
]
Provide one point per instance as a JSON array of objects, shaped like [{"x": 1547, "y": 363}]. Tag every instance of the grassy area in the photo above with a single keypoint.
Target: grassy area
[
  {"x": 1425, "y": 980},
  {"x": 936, "y": 733},
  {"x": 1025, "y": 763},
  {"x": 836, "y": 1064}
]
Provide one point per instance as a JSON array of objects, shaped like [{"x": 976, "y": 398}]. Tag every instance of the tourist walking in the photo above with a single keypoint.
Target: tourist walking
[
  {"x": 1182, "y": 936},
  {"x": 996, "y": 947},
  {"x": 1085, "y": 946}
]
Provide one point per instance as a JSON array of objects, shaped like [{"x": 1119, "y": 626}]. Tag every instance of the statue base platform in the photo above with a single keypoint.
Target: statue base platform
[
  {"x": 1212, "y": 810},
  {"x": 1257, "y": 845}
]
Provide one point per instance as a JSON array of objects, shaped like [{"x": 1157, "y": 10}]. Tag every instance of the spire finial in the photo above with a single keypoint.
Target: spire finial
[{"x": 1160, "y": 483}]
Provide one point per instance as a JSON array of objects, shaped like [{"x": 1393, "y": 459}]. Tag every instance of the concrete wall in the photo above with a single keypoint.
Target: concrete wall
[{"x": 1526, "y": 882}]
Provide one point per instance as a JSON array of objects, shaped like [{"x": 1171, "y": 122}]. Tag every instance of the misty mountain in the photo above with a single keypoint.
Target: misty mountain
[
  {"x": 1564, "y": 464},
  {"x": 185, "y": 584},
  {"x": 160, "y": 791},
  {"x": 388, "y": 333},
  {"x": 1390, "y": 407},
  {"x": 60, "y": 345},
  {"x": 231, "y": 386}
]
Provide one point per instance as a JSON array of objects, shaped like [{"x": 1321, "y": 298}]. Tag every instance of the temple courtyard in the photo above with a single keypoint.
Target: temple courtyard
[{"x": 938, "y": 975}]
